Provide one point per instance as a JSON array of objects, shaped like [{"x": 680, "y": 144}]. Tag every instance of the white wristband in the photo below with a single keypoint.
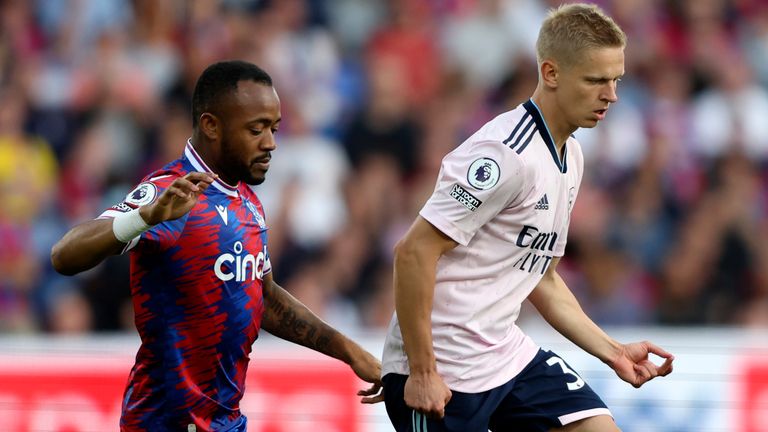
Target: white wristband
[{"x": 129, "y": 225}]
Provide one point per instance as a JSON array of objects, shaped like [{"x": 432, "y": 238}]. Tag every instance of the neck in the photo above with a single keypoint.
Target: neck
[
  {"x": 210, "y": 157},
  {"x": 553, "y": 116}
]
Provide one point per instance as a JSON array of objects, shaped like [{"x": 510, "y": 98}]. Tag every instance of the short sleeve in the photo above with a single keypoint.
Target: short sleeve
[
  {"x": 159, "y": 237},
  {"x": 476, "y": 182}
]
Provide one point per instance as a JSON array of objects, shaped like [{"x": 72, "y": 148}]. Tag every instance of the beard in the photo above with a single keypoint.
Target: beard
[
  {"x": 254, "y": 181},
  {"x": 240, "y": 170}
]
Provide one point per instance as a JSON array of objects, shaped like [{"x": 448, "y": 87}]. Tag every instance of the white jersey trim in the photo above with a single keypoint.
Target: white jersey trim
[
  {"x": 580, "y": 415},
  {"x": 160, "y": 177},
  {"x": 109, "y": 214},
  {"x": 199, "y": 165}
]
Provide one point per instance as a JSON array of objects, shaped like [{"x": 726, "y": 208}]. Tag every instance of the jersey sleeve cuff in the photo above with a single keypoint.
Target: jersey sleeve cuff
[
  {"x": 110, "y": 214},
  {"x": 445, "y": 226}
]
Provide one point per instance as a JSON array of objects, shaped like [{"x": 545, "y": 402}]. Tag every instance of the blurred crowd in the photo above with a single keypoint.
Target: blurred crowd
[{"x": 669, "y": 227}]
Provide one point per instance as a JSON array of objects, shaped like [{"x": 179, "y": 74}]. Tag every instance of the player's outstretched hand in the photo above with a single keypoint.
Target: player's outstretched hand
[
  {"x": 633, "y": 365},
  {"x": 368, "y": 368},
  {"x": 427, "y": 394},
  {"x": 177, "y": 199}
]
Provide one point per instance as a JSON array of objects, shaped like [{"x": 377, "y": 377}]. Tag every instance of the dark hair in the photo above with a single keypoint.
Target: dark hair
[{"x": 219, "y": 80}]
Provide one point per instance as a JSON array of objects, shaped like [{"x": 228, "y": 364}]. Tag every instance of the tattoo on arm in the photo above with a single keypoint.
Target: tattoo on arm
[{"x": 287, "y": 318}]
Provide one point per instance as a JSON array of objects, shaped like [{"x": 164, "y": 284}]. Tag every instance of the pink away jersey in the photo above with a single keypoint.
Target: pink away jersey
[
  {"x": 196, "y": 285},
  {"x": 505, "y": 195}
]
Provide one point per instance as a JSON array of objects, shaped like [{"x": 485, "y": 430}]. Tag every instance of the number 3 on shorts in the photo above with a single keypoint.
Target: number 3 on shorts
[{"x": 579, "y": 383}]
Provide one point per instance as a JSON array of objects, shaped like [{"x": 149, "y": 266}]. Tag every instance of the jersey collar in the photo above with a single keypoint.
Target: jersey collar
[
  {"x": 199, "y": 165},
  {"x": 541, "y": 125}
]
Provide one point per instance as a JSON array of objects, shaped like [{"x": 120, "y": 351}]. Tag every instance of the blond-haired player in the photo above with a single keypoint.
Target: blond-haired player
[{"x": 490, "y": 236}]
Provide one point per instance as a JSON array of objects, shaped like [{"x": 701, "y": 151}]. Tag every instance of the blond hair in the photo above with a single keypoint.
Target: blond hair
[{"x": 571, "y": 29}]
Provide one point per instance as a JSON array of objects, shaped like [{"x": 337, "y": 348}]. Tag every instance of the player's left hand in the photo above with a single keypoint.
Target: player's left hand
[
  {"x": 633, "y": 365},
  {"x": 368, "y": 368}
]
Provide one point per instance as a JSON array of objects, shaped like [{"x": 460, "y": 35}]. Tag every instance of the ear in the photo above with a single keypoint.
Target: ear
[
  {"x": 210, "y": 126},
  {"x": 550, "y": 72}
]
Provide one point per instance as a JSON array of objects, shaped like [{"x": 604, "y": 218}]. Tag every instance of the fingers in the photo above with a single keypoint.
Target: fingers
[
  {"x": 198, "y": 177},
  {"x": 191, "y": 184},
  {"x": 653, "y": 349},
  {"x": 183, "y": 191},
  {"x": 641, "y": 376},
  {"x": 647, "y": 370},
  {"x": 373, "y": 390},
  {"x": 373, "y": 400},
  {"x": 447, "y": 399},
  {"x": 426, "y": 393},
  {"x": 434, "y": 410},
  {"x": 666, "y": 368},
  {"x": 436, "y": 413},
  {"x": 437, "y": 410}
]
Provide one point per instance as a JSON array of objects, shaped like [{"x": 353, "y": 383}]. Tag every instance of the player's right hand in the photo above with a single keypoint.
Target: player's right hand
[
  {"x": 177, "y": 199},
  {"x": 427, "y": 394},
  {"x": 633, "y": 365}
]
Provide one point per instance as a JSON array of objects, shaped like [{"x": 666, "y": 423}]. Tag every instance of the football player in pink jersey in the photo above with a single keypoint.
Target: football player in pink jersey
[
  {"x": 201, "y": 279},
  {"x": 490, "y": 236}
]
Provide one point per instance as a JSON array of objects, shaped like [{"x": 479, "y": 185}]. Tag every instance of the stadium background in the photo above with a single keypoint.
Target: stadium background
[{"x": 668, "y": 236}]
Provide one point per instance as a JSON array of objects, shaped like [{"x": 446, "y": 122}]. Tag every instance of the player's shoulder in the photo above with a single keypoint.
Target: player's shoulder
[
  {"x": 512, "y": 117},
  {"x": 512, "y": 131},
  {"x": 500, "y": 127},
  {"x": 488, "y": 148},
  {"x": 152, "y": 184},
  {"x": 167, "y": 174}
]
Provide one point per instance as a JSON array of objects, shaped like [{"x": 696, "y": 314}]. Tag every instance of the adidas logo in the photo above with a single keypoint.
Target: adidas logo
[{"x": 543, "y": 203}]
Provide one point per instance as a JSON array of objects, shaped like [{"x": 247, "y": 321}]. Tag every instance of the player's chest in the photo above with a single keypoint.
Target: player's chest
[
  {"x": 237, "y": 214},
  {"x": 228, "y": 237},
  {"x": 548, "y": 202},
  {"x": 228, "y": 222}
]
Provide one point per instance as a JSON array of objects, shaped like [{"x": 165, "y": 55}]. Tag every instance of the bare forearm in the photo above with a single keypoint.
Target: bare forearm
[
  {"x": 414, "y": 291},
  {"x": 557, "y": 304},
  {"x": 85, "y": 246},
  {"x": 89, "y": 243},
  {"x": 289, "y": 319}
]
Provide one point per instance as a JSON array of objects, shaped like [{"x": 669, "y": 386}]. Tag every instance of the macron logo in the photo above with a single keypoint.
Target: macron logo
[{"x": 222, "y": 212}]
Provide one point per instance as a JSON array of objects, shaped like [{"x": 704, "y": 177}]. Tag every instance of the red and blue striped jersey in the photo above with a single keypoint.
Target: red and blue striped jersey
[{"x": 196, "y": 285}]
